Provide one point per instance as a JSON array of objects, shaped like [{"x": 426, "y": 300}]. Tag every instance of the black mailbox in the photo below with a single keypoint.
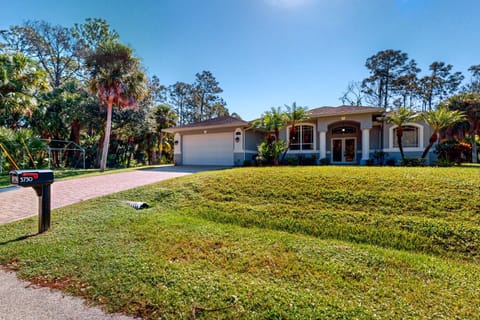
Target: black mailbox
[
  {"x": 40, "y": 181},
  {"x": 30, "y": 178}
]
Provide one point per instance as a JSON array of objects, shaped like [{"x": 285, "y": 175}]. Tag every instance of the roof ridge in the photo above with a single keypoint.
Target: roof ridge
[{"x": 220, "y": 120}]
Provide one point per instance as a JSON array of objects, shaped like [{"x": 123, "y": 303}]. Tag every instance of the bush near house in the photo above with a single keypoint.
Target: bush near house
[
  {"x": 413, "y": 162},
  {"x": 454, "y": 151}
]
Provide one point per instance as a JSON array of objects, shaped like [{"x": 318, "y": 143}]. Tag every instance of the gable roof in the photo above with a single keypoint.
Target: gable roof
[
  {"x": 220, "y": 122},
  {"x": 333, "y": 111},
  {"x": 229, "y": 121}
]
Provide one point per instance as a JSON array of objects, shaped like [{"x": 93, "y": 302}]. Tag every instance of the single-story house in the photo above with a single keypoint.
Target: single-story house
[{"x": 341, "y": 135}]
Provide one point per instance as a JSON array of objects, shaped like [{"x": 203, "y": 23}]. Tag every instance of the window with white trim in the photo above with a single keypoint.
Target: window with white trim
[
  {"x": 410, "y": 137},
  {"x": 302, "y": 137}
]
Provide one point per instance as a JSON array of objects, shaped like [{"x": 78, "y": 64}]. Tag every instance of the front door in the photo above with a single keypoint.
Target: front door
[{"x": 343, "y": 150}]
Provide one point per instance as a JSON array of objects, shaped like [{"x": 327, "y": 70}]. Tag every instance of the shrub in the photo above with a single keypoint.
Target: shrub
[
  {"x": 260, "y": 160},
  {"x": 308, "y": 160},
  {"x": 413, "y": 162},
  {"x": 23, "y": 147},
  {"x": 270, "y": 151},
  {"x": 390, "y": 162},
  {"x": 324, "y": 161},
  {"x": 312, "y": 159},
  {"x": 379, "y": 157},
  {"x": 444, "y": 163},
  {"x": 292, "y": 161},
  {"x": 454, "y": 151}
]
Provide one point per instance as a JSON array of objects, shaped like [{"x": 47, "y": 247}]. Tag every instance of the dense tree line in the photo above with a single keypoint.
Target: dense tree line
[
  {"x": 198, "y": 101},
  {"x": 396, "y": 84},
  {"x": 81, "y": 84},
  {"x": 396, "y": 81}
]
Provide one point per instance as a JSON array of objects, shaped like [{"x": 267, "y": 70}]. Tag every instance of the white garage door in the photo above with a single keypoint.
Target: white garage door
[{"x": 208, "y": 149}]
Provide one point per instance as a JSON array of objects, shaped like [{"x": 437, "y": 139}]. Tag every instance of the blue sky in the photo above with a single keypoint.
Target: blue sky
[{"x": 267, "y": 53}]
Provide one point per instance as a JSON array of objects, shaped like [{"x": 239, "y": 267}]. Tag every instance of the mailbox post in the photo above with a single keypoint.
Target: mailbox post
[{"x": 40, "y": 181}]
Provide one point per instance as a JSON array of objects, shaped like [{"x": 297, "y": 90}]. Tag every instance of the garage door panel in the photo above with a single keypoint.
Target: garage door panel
[{"x": 208, "y": 149}]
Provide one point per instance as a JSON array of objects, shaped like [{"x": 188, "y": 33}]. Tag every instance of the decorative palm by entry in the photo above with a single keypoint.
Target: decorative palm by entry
[
  {"x": 400, "y": 117},
  {"x": 117, "y": 79},
  {"x": 272, "y": 121},
  {"x": 293, "y": 116},
  {"x": 440, "y": 119}
]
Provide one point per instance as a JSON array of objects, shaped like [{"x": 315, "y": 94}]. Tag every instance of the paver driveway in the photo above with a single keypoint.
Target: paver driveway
[{"x": 23, "y": 202}]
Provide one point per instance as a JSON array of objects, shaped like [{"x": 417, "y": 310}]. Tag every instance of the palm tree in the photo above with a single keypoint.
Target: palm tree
[
  {"x": 468, "y": 102},
  {"x": 400, "y": 117},
  {"x": 164, "y": 117},
  {"x": 272, "y": 121},
  {"x": 293, "y": 116},
  {"x": 20, "y": 83},
  {"x": 21, "y": 147},
  {"x": 438, "y": 120},
  {"x": 117, "y": 78}
]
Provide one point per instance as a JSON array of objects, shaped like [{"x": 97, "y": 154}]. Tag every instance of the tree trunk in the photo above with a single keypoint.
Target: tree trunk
[
  {"x": 292, "y": 134},
  {"x": 108, "y": 129},
  {"x": 399, "y": 141},
  {"x": 75, "y": 137},
  {"x": 430, "y": 99},
  {"x": 151, "y": 154},
  {"x": 474, "y": 149},
  {"x": 154, "y": 157},
  {"x": 160, "y": 147},
  {"x": 432, "y": 140},
  {"x": 98, "y": 154},
  {"x": 75, "y": 133},
  {"x": 56, "y": 162},
  {"x": 386, "y": 93},
  {"x": 130, "y": 149}
]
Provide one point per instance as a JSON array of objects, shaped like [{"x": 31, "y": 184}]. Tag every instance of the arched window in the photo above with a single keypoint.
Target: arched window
[
  {"x": 410, "y": 137},
  {"x": 303, "y": 137},
  {"x": 344, "y": 130}
]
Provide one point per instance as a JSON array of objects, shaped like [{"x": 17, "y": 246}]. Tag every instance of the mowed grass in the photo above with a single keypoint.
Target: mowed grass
[{"x": 269, "y": 243}]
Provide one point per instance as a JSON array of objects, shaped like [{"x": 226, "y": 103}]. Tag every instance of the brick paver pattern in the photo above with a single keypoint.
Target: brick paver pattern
[{"x": 23, "y": 202}]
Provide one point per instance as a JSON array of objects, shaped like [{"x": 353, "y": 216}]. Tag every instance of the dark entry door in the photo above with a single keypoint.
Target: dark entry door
[{"x": 343, "y": 150}]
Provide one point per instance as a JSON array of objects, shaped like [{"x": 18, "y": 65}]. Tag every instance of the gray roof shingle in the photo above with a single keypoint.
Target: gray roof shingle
[
  {"x": 220, "y": 121},
  {"x": 332, "y": 111}
]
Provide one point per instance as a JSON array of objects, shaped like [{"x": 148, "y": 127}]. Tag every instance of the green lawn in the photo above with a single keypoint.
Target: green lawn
[{"x": 269, "y": 243}]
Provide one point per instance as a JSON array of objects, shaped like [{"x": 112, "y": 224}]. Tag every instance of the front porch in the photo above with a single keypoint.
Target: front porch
[
  {"x": 347, "y": 142},
  {"x": 340, "y": 135}
]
